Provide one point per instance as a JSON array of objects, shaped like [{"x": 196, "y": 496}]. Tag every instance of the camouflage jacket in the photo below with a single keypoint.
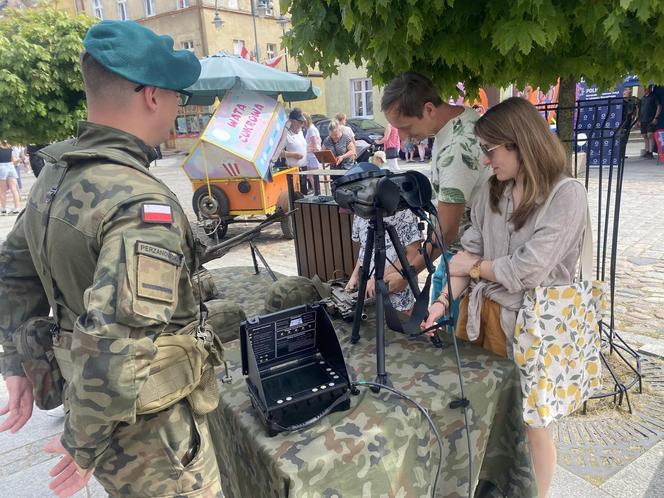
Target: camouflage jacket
[{"x": 108, "y": 247}]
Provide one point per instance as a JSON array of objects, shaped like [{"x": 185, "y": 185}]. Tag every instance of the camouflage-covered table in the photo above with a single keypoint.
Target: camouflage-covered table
[{"x": 382, "y": 446}]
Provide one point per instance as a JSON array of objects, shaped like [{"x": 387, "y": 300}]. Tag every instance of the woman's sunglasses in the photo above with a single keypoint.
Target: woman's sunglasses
[{"x": 488, "y": 151}]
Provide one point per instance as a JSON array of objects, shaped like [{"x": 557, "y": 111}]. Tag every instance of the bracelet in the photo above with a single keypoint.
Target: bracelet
[{"x": 447, "y": 299}]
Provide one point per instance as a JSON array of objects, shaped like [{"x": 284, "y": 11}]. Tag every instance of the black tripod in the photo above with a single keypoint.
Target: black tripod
[{"x": 375, "y": 242}]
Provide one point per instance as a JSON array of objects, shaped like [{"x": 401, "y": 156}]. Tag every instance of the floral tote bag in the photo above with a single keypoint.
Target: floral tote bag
[{"x": 557, "y": 341}]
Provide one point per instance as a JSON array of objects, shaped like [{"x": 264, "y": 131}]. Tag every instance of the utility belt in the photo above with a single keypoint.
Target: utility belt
[{"x": 183, "y": 366}]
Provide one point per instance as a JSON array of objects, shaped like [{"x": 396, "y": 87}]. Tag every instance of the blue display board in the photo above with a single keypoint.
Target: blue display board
[{"x": 600, "y": 115}]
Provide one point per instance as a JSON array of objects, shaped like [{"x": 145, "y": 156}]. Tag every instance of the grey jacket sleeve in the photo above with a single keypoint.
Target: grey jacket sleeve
[{"x": 558, "y": 235}]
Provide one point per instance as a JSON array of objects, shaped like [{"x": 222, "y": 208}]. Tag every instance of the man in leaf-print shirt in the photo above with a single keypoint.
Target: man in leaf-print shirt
[{"x": 412, "y": 104}]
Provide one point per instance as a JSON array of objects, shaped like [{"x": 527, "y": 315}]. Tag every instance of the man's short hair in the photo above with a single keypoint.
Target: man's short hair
[
  {"x": 102, "y": 84},
  {"x": 340, "y": 116},
  {"x": 407, "y": 94}
]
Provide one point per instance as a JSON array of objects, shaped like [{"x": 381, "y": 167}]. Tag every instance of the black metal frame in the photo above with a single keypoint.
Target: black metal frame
[{"x": 608, "y": 202}]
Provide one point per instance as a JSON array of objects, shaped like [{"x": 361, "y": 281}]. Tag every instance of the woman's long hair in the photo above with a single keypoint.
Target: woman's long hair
[{"x": 516, "y": 124}]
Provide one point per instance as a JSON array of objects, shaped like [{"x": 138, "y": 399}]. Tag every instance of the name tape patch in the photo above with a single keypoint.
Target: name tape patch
[
  {"x": 157, "y": 213},
  {"x": 159, "y": 253}
]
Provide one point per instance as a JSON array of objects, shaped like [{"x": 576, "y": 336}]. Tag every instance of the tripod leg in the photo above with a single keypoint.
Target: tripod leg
[
  {"x": 255, "y": 252},
  {"x": 381, "y": 295},
  {"x": 364, "y": 277},
  {"x": 253, "y": 257},
  {"x": 405, "y": 264}
]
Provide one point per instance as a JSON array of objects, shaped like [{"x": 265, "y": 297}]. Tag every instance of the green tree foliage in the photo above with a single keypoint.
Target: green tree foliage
[
  {"x": 483, "y": 42},
  {"x": 41, "y": 89}
]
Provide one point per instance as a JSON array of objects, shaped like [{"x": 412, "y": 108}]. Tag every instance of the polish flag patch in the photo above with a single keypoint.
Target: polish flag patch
[{"x": 157, "y": 213}]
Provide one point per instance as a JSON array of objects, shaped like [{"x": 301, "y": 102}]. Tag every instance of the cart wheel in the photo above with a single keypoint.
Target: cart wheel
[
  {"x": 213, "y": 207},
  {"x": 288, "y": 224}
]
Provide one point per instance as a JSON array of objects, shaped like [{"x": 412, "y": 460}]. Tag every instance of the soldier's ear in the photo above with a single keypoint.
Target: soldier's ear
[{"x": 151, "y": 97}]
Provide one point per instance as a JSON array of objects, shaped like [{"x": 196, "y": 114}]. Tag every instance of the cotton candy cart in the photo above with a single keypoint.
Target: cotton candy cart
[{"x": 232, "y": 166}]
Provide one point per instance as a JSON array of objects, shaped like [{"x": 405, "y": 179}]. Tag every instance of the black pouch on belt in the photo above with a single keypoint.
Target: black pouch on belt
[{"x": 34, "y": 341}]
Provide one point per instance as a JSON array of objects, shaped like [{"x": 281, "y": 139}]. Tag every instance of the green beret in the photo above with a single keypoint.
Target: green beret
[{"x": 138, "y": 54}]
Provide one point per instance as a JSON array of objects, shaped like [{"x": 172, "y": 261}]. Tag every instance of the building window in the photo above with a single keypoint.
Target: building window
[
  {"x": 238, "y": 45},
  {"x": 232, "y": 4},
  {"x": 149, "y": 8},
  {"x": 99, "y": 9},
  {"x": 122, "y": 10},
  {"x": 271, "y": 50},
  {"x": 182, "y": 4},
  {"x": 188, "y": 45},
  {"x": 362, "y": 98}
]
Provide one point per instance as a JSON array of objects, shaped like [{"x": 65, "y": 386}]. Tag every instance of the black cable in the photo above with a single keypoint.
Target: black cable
[
  {"x": 463, "y": 402},
  {"x": 425, "y": 413}
]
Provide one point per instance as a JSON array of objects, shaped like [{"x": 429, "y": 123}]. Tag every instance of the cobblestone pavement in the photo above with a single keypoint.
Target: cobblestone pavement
[{"x": 639, "y": 318}]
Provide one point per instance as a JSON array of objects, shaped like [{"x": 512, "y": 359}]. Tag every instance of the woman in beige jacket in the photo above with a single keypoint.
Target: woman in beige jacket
[{"x": 504, "y": 252}]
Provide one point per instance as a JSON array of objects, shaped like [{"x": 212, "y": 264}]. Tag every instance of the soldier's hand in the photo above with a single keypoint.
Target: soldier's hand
[
  {"x": 19, "y": 405},
  {"x": 68, "y": 477}
]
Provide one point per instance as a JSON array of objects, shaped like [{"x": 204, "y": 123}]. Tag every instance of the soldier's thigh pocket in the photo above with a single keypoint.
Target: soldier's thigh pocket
[{"x": 164, "y": 454}]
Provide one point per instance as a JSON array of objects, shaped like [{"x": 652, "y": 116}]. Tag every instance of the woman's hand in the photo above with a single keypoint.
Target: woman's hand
[
  {"x": 436, "y": 311},
  {"x": 462, "y": 262}
]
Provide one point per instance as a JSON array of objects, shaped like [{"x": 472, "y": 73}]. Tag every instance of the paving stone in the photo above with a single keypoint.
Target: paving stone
[
  {"x": 643, "y": 478},
  {"x": 642, "y": 261}
]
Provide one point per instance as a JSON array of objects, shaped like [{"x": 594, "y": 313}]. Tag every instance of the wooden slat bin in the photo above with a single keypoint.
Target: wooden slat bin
[{"x": 323, "y": 244}]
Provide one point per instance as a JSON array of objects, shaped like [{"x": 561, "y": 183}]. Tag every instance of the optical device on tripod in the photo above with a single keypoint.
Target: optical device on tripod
[{"x": 374, "y": 195}]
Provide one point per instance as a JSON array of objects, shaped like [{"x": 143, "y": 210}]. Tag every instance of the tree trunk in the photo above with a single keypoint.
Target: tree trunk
[{"x": 565, "y": 118}]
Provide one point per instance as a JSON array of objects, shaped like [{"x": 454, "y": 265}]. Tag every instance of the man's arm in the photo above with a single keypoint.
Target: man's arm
[
  {"x": 21, "y": 294},
  {"x": 21, "y": 297}
]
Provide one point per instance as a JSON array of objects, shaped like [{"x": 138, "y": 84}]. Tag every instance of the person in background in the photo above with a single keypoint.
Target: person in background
[
  {"x": 422, "y": 148},
  {"x": 8, "y": 178},
  {"x": 391, "y": 144},
  {"x": 409, "y": 150},
  {"x": 341, "y": 145},
  {"x": 18, "y": 154},
  {"x": 649, "y": 110},
  {"x": 406, "y": 225},
  {"x": 341, "y": 117},
  {"x": 504, "y": 253},
  {"x": 295, "y": 151},
  {"x": 312, "y": 137},
  {"x": 36, "y": 161},
  {"x": 379, "y": 158}
]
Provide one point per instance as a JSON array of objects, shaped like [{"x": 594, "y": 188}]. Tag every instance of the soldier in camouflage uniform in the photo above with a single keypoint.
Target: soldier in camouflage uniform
[{"x": 108, "y": 248}]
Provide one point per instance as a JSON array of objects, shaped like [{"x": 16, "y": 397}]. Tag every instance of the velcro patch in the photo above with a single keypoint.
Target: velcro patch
[
  {"x": 158, "y": 272},
  {"x": 159, "y": 253},
  {"x": 157, "y": 213}
]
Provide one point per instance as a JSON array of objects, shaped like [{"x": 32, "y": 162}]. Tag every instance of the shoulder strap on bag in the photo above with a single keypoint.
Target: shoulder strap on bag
[{"x": 586, "y": 253}]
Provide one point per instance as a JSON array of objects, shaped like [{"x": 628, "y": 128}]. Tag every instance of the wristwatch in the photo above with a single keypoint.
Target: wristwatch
[{"x": 474, "y": 272}]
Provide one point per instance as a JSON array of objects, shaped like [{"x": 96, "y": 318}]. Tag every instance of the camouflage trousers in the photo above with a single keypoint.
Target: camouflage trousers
[{"x": 145, "y": 459}]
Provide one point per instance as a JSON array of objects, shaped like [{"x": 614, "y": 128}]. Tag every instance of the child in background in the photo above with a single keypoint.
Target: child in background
[{"x": 405, "y": 223}]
